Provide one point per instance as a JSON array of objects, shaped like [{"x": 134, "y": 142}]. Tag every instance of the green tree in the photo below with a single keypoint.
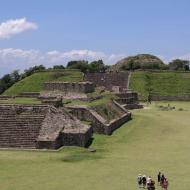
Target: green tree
[
  {"x": 179, "y": 64},
  {"x": 58, "y": 67},
  {"x": 97, "y": 66},
  {"x": 81, "y": 65}
]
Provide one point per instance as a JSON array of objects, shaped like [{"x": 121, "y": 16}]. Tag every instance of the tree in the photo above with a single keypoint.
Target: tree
[
  {"x": 58, "y": 67},
  {"x": 15, "y": 76},
  {"x": 5, "y": 82},
  {"x": 32, "y": 70},
  {"x": 179, "y": 64},
  {"x": 81, "y": 65},
  {"x": 97, "y": 66}
]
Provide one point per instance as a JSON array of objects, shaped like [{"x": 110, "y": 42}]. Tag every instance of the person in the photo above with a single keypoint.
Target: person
[
  {"x": 149, "y": 98},
  {"x": 159, "y": 177},
  {"x": 165, "y": 184},
  {"x": 148, "y": 182},
  {"x": 139, "y": 180},
  {"x": 152, "y": 185},
  {"x": 144, "y": 181},
  {"x": 162, "y": 180}
]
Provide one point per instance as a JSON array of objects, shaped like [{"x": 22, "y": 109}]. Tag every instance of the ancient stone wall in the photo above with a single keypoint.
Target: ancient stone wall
[
  {"x": 20, "y": 125},
  {"x": 112, "y": 81},
  {"x": 79, "y": 138},
  {"x": 40, "y": 126},
  {"x": 99, "y": 124},
  {"x": 29, "y": 94},
  {"x": 80, "y": 87},
  {"x": 127, "y": 98}
]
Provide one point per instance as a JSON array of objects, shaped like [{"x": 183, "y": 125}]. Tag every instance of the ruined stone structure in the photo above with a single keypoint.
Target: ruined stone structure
[
  {"x": 40, "y": 126},
  {"x": 112, "y": 81},
  {"x": 67, "y": 90},
  {"x": 129, "y": 100},
  {"x": 77, "y": 87},
  {"x": 100, "y": 125},
  {"x": 29, "y": 94}
]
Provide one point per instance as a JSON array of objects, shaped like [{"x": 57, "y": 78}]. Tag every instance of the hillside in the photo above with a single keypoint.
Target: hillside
[
  {"x": 34, "y": 82},
  {"x": 162, "y": 83},
  {"x": 139, "y": 61}
]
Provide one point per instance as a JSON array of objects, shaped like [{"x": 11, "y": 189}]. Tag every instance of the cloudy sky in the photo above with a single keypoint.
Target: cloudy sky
[{"x": 53, "y": 32}]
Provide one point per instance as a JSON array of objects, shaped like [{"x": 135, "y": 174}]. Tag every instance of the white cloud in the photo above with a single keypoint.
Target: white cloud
[
  {"x": 11, "y": 28},
  {"x": 11, "y": 59}
]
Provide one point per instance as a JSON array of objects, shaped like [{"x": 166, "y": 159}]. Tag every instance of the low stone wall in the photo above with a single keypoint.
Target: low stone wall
[
  {"x": 57, "y": 102},
  {"x": 29, "y": 94},
  {"x": 2, "y": 97},
  {"x": 99, "y": 124},
  {"x": 170, "y": 98},
  {"x": 133, "y": 106},
  {"x": 80, "y": 87},
  {"x": 116, "y": 123}
]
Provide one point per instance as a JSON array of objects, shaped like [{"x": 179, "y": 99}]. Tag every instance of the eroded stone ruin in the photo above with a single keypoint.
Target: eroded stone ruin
[
  {"x": 52, "y": 125},
  {"x": 40, "y": 126},
  {"x": 73, "y": 90}
]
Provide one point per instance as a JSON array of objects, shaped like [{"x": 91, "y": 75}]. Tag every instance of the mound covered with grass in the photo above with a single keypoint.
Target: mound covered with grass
[
  {"x": 34, "y": 82},
  {"x": 139, "y": 61},
  {"x": 168, "y": 83}
]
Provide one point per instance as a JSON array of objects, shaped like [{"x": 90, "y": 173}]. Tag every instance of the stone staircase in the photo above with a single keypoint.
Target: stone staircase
[{"x": 19, "y": 127}]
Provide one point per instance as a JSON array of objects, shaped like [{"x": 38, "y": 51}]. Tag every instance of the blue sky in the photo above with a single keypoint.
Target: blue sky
[{"x": 57, "y": 31}]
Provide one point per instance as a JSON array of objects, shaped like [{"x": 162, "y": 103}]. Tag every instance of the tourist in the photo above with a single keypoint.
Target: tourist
[
  {"x": 139, "y": 180},
  {"x": 149, "y": 99},
  {"x": 159, "y": 177},
  {"x": 144, "y": 181},
  {"x": 162, "y": 180},
  {"x": 148, "y": 182},
  {"x": 152, "y": 185},
  {"x": 165, "y": 184}
]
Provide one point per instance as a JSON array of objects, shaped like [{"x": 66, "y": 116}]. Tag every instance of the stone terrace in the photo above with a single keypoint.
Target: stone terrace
[
  {"x": 23, "y": 126},
  {"x": 111, "y": 81},
  {"x": 78, "y": 87}
]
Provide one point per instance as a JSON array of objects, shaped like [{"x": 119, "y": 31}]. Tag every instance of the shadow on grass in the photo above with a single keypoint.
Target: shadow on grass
[{"x": 81, "y": 156}]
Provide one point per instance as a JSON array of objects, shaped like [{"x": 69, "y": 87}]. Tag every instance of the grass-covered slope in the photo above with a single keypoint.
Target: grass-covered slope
[
  {"x": 162, "y": 83},
  {"x": 154, "y": 140},
  {"x": 34, "y": 82}
]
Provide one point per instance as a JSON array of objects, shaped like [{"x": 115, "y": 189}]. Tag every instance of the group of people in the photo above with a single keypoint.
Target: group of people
[{"x": 149, "y": 183}]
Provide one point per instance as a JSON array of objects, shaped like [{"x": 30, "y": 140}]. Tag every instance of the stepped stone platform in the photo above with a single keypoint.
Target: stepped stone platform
[
  {"x": 112, "y": 81},
  {"x": 100, "y": 125},
  {"x": 129, "y": 100},
  {"x": 40, "y": 126}
]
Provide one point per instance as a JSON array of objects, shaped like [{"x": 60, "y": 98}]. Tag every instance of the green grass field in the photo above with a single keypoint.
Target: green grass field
[
  {"x": 34, "y": 82},
  {"x": 154, "y": 140},
  {"x": 162, "y": 83}
]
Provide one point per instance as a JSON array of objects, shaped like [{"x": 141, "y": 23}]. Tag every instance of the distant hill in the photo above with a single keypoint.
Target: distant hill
[
  {"x": 34, "y": 82},
  {"x": 137, "y": 62}
]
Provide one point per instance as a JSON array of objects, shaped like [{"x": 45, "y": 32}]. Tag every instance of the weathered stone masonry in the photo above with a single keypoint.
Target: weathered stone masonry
[
  {"x": 99, "y": 124},
  {"x": 76, "y": 87},
  {"x": 109, "y": 80},
  {"x": 39, "y": 126}
]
